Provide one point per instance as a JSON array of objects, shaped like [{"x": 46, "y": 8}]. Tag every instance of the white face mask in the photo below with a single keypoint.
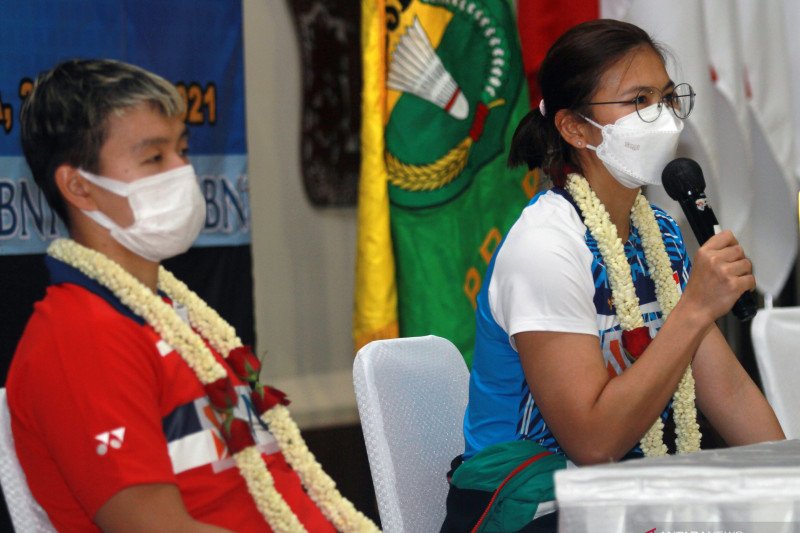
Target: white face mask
[
  {"x": 168, "y": 212},
  {"x": 635, "y": 152}
]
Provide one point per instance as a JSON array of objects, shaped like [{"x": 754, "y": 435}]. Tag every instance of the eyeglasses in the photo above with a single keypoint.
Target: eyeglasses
[{"x": 679, "y": 98}]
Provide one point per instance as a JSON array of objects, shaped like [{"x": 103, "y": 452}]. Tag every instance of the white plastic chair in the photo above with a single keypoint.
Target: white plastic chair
[
  {"x": 776, "y": 341},
  {"x": 411, "y": 395},
  {"x": 26, "y": 513}
]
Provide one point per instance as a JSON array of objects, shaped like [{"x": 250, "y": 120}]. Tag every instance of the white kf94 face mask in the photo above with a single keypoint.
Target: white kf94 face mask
[
  {"x": 635, "y": 152},
  {"x": 168, "y": 212}
]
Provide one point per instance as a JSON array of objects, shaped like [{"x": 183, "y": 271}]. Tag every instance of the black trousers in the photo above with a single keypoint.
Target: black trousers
[
  {"x": 465, "y": 507},
  {"x": 544, "y": 524}
]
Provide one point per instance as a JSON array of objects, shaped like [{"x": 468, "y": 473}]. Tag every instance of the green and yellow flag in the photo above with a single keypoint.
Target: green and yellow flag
[{"x": 444, "y": 90}]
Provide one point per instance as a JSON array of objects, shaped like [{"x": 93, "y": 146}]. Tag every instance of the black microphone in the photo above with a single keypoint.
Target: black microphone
[{"x": 684, "y": 183}]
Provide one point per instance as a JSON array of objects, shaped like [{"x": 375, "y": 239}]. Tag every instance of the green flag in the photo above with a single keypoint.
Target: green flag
[{"x": 456, "y": 92}]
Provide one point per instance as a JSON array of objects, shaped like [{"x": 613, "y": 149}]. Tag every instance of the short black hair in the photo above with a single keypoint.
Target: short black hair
[{"x": 64, "y": 118}]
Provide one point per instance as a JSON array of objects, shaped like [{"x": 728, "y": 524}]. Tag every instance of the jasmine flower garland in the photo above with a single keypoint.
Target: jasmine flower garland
[
  {"x": 626, "y": 302},
  {"x": 214, "y": 377},
  {"x": 321, "y": 488}
]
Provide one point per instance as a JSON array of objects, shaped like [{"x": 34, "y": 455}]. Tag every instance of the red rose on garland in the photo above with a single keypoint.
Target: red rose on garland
[
  {"x": 244, "y": 363},
  {"x": 237, "y": 435},
  {"x": 221, "y": 394},
  {"x": 265, "y": 398}
]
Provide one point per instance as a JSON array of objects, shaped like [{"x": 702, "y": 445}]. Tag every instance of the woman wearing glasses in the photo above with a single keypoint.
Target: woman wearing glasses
[{"x": 592, "y": 279}]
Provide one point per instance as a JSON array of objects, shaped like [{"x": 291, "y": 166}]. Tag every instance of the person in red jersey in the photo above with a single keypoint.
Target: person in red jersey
[{"x": 134, "y": 406}]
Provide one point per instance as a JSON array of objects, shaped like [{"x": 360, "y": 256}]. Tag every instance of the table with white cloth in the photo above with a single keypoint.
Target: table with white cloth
[{"x": 747, "y": 489}]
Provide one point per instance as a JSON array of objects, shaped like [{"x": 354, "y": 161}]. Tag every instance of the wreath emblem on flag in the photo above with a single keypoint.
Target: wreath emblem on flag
[{"x": 453, "y": 106}]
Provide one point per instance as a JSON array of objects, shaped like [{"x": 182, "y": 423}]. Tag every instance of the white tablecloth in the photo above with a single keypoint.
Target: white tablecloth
[{"x": 749, "y": 489}]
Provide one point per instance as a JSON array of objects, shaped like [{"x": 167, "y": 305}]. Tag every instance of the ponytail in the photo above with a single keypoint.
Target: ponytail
[{"x": 537, "y": 144}]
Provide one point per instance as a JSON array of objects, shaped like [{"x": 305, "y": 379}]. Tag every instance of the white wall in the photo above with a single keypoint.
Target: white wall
[{"x": 303, "y": 257}]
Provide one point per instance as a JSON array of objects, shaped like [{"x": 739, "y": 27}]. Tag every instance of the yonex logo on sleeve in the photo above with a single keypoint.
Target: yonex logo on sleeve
[{"x": 111, "y": 438}]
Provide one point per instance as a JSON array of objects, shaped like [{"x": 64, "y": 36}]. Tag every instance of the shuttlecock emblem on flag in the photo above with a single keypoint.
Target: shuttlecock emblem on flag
[
  {"x": 450, "y": 83},
  {"x": 416, "y": 69}
]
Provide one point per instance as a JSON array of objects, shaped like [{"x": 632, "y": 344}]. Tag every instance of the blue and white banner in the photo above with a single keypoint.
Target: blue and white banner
[{"x": 196, "y": 44}]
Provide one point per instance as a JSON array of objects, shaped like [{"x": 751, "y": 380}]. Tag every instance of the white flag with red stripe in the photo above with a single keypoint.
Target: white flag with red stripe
[
  {"x": 774, "y": 221},
  {"x": 732, "y": 118}
]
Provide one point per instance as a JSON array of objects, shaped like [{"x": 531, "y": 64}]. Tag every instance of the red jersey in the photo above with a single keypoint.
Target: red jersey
[{"x": 99, "y": 402}]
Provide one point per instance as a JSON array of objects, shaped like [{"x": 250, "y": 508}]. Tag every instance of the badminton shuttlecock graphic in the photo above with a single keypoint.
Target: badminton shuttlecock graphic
[{"x": 415, "y": 68}]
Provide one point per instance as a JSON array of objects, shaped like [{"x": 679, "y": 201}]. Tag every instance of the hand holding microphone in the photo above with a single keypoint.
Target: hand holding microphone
[{"x": 721, "y": 261}]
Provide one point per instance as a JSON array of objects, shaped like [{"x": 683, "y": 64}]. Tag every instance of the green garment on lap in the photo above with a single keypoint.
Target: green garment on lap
[{"x": 517, "y": 501}]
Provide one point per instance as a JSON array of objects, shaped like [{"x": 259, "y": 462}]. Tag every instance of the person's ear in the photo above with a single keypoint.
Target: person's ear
[
  {"x": 73, "y": 187},
  {"x": 573, "y": 128}
]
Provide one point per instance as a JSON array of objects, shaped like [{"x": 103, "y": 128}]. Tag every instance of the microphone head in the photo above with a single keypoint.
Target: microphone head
[{"x": 683, "y": 178}]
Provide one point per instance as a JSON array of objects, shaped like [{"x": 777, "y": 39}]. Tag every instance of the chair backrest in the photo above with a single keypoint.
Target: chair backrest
[
  {"x": 26, "y": 513},
  {"x": 776, "y": 341},
  {"x": 411, "y": 395}
]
